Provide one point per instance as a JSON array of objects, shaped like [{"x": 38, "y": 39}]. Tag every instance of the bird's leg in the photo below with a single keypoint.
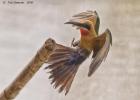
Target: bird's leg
[{"x": 75, "y": 43}]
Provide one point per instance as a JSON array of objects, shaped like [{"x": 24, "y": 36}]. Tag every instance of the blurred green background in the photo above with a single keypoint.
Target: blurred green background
[{"x": 25, "y": 27}]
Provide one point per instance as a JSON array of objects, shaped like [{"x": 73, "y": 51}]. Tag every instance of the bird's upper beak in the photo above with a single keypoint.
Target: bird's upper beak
[
  {"x": 75, "y": 23},
  {"x": 78, "y": 23}
]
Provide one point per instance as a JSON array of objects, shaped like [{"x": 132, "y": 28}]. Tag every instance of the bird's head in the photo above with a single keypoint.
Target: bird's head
[{"x": 87, "y": 23}]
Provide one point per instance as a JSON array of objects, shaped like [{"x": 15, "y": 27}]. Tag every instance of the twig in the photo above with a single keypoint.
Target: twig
[{"x": 34, "y": 65}]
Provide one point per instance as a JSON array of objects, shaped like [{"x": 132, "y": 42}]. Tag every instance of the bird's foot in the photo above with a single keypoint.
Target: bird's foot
[{"x": 74, "y": 43}]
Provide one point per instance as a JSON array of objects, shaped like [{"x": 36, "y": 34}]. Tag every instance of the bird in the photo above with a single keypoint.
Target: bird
[{"x": 63, "y": 62}]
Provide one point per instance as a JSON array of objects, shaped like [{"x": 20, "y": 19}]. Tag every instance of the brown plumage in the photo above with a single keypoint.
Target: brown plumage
[
  {"x": 65, "y": 61},
  {"x": 63, "y": 64},
  {"x": 100, "y": 50}
]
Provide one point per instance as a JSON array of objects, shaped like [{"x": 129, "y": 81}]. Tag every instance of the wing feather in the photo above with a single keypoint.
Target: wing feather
[
  {"x": 63, "y": 65},
  {"x": 100, "y": 51}
]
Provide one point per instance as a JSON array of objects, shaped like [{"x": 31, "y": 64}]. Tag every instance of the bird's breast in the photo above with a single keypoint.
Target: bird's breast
[{"x": 87, "y": 43}]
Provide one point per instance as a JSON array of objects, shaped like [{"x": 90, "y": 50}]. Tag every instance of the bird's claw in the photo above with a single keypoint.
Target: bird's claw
[{"x": 74, "y": 43}]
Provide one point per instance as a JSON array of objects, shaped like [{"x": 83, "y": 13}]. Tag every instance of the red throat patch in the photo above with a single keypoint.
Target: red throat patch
[{"x": 84, "y": 32}]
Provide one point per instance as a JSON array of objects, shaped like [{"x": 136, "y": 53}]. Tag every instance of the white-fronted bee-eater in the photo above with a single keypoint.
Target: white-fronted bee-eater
[{"x": 65, "y": 61}]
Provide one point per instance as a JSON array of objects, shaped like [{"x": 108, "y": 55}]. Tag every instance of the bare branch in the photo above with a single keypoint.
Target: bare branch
[{"x": 34, "y": 65}]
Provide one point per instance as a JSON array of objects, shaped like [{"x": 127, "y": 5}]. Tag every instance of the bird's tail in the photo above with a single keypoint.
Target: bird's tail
[{"x": 63, "y": 64}]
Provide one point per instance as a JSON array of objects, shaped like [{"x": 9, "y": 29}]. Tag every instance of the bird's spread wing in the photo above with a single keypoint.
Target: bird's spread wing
[
  {"x": 100, "y": 50},
  {"x": 85, "y": 14},
  {"x": 63, "y": 64}
]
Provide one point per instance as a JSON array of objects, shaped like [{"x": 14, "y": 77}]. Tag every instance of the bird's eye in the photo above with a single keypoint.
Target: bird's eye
[{"x": 86, "y": 26}]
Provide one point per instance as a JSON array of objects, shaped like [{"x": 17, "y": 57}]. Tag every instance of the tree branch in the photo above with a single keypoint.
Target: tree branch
[{"x": 34, "y": 65}]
